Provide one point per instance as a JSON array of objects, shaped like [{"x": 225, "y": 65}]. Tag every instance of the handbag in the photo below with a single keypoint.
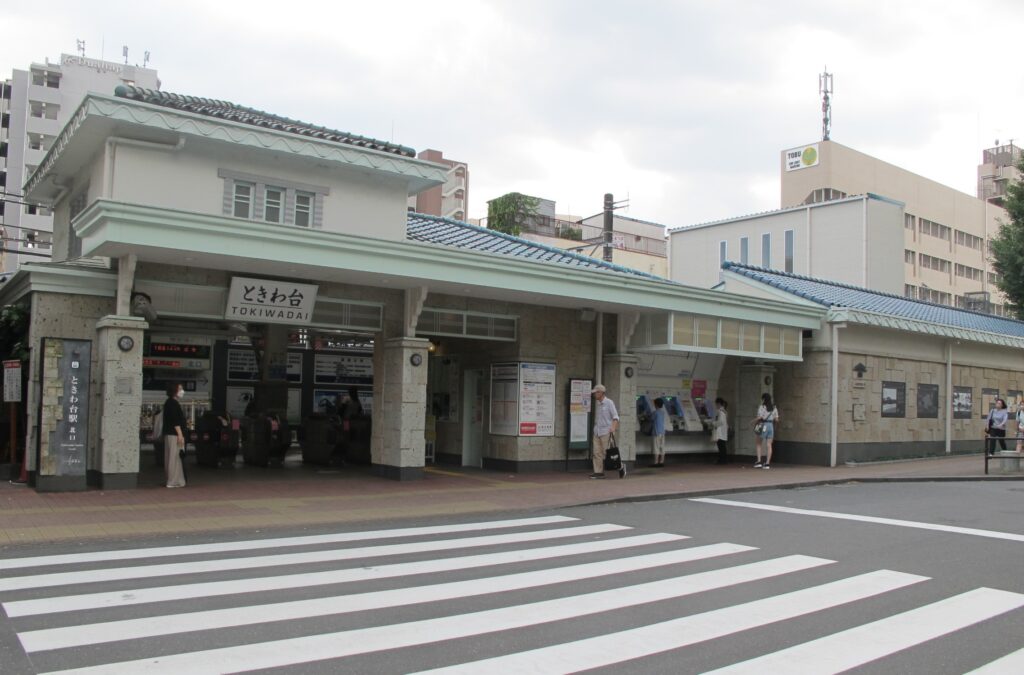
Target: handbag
[
  {"x": 612, "y": 458},
  {"x": 758, "y": 428}
]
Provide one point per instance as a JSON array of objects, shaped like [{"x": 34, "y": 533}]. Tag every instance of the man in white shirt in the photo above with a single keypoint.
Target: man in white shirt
[{"x": 606, "y": 423}]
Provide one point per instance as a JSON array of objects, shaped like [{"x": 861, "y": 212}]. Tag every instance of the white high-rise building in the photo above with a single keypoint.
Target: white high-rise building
[{"x": 35, "y": 104}]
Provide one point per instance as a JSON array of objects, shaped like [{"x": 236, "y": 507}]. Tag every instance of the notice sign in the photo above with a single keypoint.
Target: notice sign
[
  {"x": 536, "y": 399},
  {"x": 12, "y": 381},
  {"x": 579, "y": 412},
  {"x": 64, "y": 422},
  {"x": 504, "y": 418},
  {"x": 802, "y": 157},
  {"x": 267, "y": 301}
]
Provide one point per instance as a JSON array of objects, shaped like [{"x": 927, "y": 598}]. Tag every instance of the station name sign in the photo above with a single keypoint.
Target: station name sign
[{"x": 269, "y": 301}]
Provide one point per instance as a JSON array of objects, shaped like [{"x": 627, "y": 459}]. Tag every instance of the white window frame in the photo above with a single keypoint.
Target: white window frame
[
  {"x": 237, "y": 200},
  {"x": 277, "y": 204},
  {"x": 306, "y": 210}
]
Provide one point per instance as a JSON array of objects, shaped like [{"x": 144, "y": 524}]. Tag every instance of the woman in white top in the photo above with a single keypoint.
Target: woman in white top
[
  {"x": 767, "y": 416},
  {"x": 1020, "y": 425},
  {"x": 720, "y": 431}
]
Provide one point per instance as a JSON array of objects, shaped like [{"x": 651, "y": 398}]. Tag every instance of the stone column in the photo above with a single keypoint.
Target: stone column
[
  {"x": 119, "y": 380},
  {"x": 398, "y": 423},
  {"x": 272, "y": 390},
  {"x": 620, "y": 385},
  {"x": 754, "y": 380}
]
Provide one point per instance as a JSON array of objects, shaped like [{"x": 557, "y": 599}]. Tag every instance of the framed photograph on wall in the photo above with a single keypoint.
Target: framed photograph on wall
[
  {"x": 894, "y": 399},
  {"x": 962, "y": 402},
  {"x": 988, "y": 400},
  {"x": 928, "y": 400}
]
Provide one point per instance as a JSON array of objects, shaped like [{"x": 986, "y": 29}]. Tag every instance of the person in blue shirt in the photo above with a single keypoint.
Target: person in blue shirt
[{"x": 658, "y": 431}]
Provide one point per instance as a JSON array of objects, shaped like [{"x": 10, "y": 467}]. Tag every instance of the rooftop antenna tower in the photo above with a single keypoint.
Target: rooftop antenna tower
[
  {"x": 81, "y": 47},
  {"x": 825, "y": 89}
]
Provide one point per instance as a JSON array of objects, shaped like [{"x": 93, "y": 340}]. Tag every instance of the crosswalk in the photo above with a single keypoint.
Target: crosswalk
[{"x": 528, "y": 595}]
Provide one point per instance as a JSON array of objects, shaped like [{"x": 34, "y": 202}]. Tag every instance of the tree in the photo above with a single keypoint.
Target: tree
[
  {"x": 508, "y": 212},
  {"x": 1007, "y": 247},
  {"x": 14, "y": 333}
]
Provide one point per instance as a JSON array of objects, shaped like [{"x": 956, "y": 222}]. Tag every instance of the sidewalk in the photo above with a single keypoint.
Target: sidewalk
[{"x": 294, "y": 496}]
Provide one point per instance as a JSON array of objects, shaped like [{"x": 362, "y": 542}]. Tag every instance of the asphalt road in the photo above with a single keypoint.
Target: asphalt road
[{"x": 881, "y": 578}]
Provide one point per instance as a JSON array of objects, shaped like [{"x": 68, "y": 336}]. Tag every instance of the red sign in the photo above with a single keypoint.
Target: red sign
[
  {"x": 160, "y": 363},
  {"x": 527, "y": 428}
]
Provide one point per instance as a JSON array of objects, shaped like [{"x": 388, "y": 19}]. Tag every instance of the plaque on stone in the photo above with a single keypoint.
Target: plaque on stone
[{"x": 62, "y": 443}]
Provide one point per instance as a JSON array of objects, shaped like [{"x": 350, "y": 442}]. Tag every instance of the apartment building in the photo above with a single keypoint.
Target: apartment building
[
  {"x": 35, "y": 105},
  {"x": 883, "y": 228},
  {"x": 997, "y": 170},
  {"x": 450, "y": 200}
]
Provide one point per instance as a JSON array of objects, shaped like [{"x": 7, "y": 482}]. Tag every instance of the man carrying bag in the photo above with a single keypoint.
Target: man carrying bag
[{"x": 606, "y": 423}]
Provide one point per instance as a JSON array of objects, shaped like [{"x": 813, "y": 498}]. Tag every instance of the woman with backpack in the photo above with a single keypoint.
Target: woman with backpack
[{"x": 764, "y": 429}]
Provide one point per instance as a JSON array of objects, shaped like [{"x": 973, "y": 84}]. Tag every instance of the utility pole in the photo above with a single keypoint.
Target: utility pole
[{"x": 609, "y": 208}]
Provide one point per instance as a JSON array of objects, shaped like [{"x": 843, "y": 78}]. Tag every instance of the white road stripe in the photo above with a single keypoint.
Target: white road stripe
[
  {"x": 1011, "y": 663},
  {"x": 256, "y": 544},
  {"x": 345, "y": 643},
  {"x": 847, "y": 649},
  {"x": 113, "y": 631},
  {"x": 209, "y": 589},
  {"x": 609, "y": 649},
  {"x": 991, "y": 534},
  {"x": 256, "y": 562}
]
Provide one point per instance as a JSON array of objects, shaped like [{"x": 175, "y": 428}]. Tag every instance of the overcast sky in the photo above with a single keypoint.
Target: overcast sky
[{"x": 681, "y": 106}]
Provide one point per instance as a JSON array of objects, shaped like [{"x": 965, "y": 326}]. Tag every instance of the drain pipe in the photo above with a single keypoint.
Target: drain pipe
[
  {"x": 599, "y": 348},
  {"x": 834, "y": 413},
  {"x": 949, "y": 398}
]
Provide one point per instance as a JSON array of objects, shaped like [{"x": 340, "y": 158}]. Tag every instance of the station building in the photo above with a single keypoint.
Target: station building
[{"x": 252, "y": 256}]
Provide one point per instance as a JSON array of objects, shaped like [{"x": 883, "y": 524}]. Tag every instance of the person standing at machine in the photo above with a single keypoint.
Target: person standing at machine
[
  {"x": 720, "y": 430},
  {"x": 174, "y": 436},
  {"x": 658, "y": 431}
]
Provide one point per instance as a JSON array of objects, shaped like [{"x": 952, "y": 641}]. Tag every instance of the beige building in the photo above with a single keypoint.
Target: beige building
[
  {"x": 946, "y": 232},
  {"x": 450, "y": 200},
  {"x": 997, "y": 170}
]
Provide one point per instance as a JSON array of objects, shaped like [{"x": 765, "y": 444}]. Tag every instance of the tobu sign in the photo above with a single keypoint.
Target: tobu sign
[{"x": 268, "y": 301}]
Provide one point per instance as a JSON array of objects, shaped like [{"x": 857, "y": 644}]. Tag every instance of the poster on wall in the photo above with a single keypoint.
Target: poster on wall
[
  {"x": 988, "y": 401},
  {"x": 536, "y": 399},
  {"x": 579, "y": 413},
  {"x": 894, "y": 399},
  {"x": 962, "y": 402},
  {"x": 237, "y": 398},
  {"x": 504, "y": 399},
  {"x": 1013, "y": 397},
  {"x": 294, "y": 371},
  {"x": 324, "y": 400},
  {"x": 928, "y": 401}
]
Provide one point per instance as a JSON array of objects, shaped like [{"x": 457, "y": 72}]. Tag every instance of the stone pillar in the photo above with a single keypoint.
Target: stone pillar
[
  {"x": 119, "y": 380},
  {"x": 272, "y": 390},
  {"x": 398, "y": 423},
  {"x": 754, "y": 380},
  {"x": 620, "y": 386}
]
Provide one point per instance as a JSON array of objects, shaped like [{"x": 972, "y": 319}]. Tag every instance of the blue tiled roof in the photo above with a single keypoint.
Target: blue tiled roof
[
  {"x": 236, "y": 113},
  {"x": 457, "y": 234},
  {"x": 835, "y": 294}
]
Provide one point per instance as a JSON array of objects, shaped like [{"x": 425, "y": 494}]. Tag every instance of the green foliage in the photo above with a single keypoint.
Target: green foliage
[
  {"x": 508, "y": 212},
  {"x": 574, "y": 233},
  {"x": 14, "y": 333},
  {"x": 1007, "y": 247}
]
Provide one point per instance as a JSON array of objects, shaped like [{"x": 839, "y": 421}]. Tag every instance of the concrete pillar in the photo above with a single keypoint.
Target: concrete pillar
[
  {"x": 620, "y": 386},
  {"x": 754, "y": 380},
  {"x": 272, "y": 389},
  {"x": 400, "y": 377},
  {"x": 119, "y": 379}
]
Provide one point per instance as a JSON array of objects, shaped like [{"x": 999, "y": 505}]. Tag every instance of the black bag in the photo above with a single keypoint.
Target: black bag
[{"x": 613, "y": 459}]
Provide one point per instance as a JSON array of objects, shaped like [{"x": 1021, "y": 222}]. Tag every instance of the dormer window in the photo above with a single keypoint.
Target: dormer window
[{"x": 272, "y": 200}]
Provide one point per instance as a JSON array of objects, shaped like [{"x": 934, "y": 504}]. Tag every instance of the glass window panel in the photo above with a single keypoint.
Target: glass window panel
[
  {"x": 766, "y": 251},
  {"x": 744, "y": 250},
  {"x": 659, "y": 329},
  {"x": 478, "y": 325},
  {"x": 751, "y": 337},
  {"x": 707, "y": 332},
  {"x": 303, "y": 209},
  {"x": 273, "y": 198},
  {"x": 772, "y": 340},
  {"x": 243, "y": 200},
  {"x": 730, "y": 334},
  {"x": 449, "y": 322},
  {"x": 791, "y": 341},
  {"x": 505, "y": 328},
  {"x": 682, "y": 330}
]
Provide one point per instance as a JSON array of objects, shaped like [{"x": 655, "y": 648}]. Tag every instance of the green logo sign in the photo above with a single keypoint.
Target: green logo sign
[{"x": 809, "y": 157}]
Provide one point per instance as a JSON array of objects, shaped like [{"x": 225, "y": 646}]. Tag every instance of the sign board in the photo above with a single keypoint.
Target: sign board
[
  {"x": 580, "y": 403},
  {"x": 64, "y": 418},
  {"x": 242, "y": 365},
  {"x": 536, "y": 399},
  {"x": 342, "y": 368},
  {"x": 802, "y": 157},
  {"x": 12, "y": 381},
  {"x": 504, "y": 399},
  {"x": 268, "y": 301}
]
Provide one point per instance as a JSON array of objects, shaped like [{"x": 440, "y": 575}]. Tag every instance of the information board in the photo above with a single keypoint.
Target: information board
[
  {"x": 64, "y": 419},
  {"x": 580, "y": 404},
  {"x": 536, "y": 399},
  {"x": 504, "y": 399},
  {"x": 342, "y": 368},
  {"x": 242, "y": 365},
  {"x": 12, "y": 381}
]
